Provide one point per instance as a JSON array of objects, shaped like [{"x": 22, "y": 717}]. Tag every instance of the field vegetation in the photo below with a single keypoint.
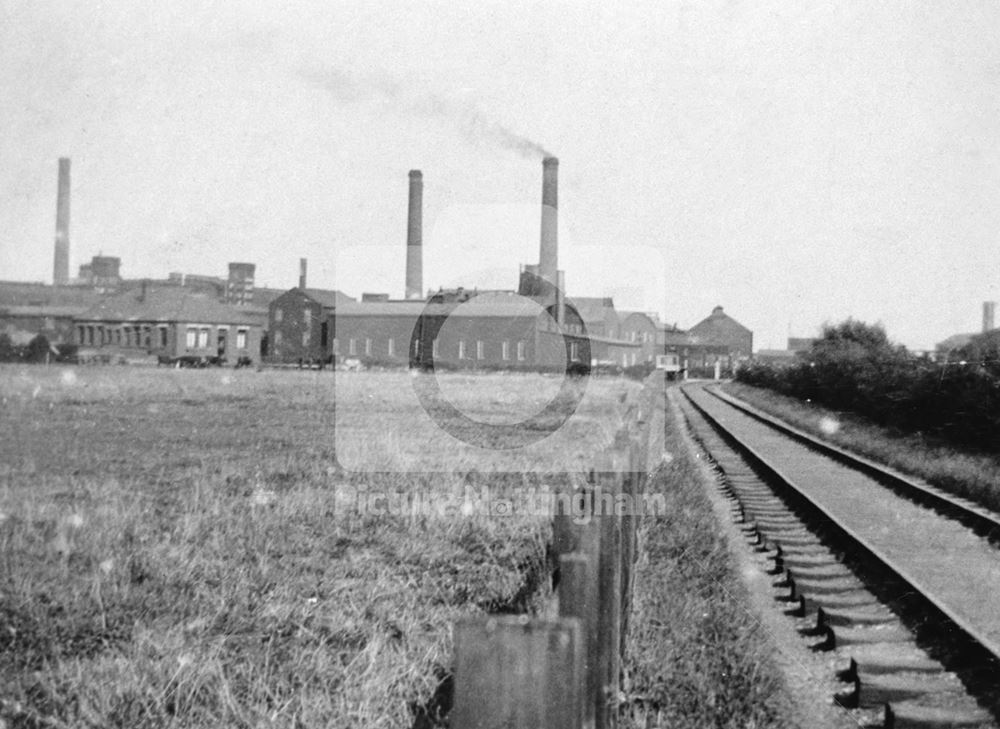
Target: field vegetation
[
  {"x": 854, "y": 367},
  {"x": 698, "y": 655},
  {"x": 183, "y": 548}
]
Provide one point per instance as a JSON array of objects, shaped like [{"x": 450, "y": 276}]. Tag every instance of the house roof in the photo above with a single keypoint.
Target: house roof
[
  {"x": 328, "y": 298},
  {"x": 592, "y": 308},
  {"x": 168, "y": 304},
  {"x": 717, "y": 327},
  {"x": 20, "y": 293},
  {"x": 43, "y": 310},
  {"x": 483, "y": 305}
]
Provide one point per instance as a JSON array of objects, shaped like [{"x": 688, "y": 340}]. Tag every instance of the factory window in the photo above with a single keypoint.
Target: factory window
[
  {"x": 305, "y": 338},
  {"x": 391, "y": 347},
  {"x": 435, "y": 349},
  {"x": 324, "y": 334},
  {"x": 190, "y": 342},
  {"x": 416, "y": 347},
  {"x": 307, "y": 316},
  {"x": 368, "y": 346},
  {"x": 203, "y": 337},
  {"x": 147, "y": 336},
  {"x": 574, "y": 351},
  {"x": 461, "y": 349},
  {"x": 278, "y": 314},
  {"x": 520, "y": 351},
  {"x": 352, "y": 346},
  {"x": 505, "y": 350},
  {"x": 277, "y": 339},
  {"x": 163, "y": 336},
  {"x": 479, "y": 349},
  {"x": 241, "y": 339}
]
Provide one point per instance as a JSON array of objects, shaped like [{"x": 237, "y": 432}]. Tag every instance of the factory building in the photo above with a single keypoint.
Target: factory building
[
  {"x": 169, "y": 322},
  {"x": 536, "y": 326},
  {"x": 299, "y": 325},
  {"x": 718, "y": 339}
]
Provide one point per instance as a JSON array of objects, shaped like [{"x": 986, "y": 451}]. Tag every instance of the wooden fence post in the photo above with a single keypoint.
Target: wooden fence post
[
  {"x": 515, "y": 672},
  {"x": 578, "y": 598},
  {"x": 609, "y": 597}
]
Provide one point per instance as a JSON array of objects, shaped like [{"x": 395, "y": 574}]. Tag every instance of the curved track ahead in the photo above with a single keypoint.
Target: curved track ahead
[{"x": 905, "y": 580}]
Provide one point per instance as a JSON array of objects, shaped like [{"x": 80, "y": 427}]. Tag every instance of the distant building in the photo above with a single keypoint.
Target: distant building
[
  {"x": 719, "y": 339},
  {"x": 298, "y": 325},
  {"x": 172, "y": 322},
  {"x": 30, "y": 309}
]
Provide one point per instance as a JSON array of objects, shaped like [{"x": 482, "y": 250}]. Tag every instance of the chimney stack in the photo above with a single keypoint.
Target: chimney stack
[
  {"x": 302, "y": 273},
  {"x": 548, "y": 258},
  {"x": 60, "y": 268},
  {"x": 989, "y": 309},
  {"x": 414, "y": 237}
]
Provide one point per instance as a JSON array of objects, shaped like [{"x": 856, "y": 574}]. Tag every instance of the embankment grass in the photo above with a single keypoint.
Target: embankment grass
[
  {"x": 183, "y": 549},
  {"x": 698, "y": 656},
  {"x": 974, "y": 476}
]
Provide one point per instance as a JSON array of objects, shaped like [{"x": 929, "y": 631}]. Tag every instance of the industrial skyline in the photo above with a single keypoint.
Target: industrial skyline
[{"x": 794, "y": 164}]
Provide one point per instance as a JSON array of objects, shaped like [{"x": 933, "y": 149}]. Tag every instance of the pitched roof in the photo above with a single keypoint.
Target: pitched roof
[
  {"x": 716, "y": 327},
  {"x": 592, "y": 308},
  {"x": 168, "y": 304},
  {"x": 490, "y": 304},
  {"x": 328, "y": 297},
  {"x": 20, "y": 293}
]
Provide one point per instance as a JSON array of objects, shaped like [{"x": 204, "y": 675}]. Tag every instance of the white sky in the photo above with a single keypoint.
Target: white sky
[{"x": 793, "y": 162}]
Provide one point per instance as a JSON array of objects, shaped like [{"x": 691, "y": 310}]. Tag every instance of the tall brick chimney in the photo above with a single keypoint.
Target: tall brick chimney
[
  {"x": 548, "y": 256},
  {"x": 302, "y": 273},
  {"x": 60, "y": 266},
  {"x": 414, "y": 238},
  {"x": 989, "y": 309}
]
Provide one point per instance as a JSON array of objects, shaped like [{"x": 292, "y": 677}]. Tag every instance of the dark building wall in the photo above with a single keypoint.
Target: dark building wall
[
  {"x": 297, "y": 328},
  {"x": 172, "y": 339},
  {"x": 384, "y": 337},
  {"x": 639, "y": 329}
]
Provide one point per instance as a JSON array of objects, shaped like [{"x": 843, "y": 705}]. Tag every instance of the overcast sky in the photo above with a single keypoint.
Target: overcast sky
[{"x": 793, "y": 162}]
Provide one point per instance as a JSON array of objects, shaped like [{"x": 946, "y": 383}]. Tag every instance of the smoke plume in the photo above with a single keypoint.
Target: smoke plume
[{"x": 393, "y": 96}]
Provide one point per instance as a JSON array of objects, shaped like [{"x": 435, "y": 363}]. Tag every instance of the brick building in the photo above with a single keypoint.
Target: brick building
[
  {"x": 170, "y": 322},
  {"x": 299, "y": 327}
]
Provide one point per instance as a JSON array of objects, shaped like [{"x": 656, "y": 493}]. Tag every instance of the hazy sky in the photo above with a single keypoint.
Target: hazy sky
[{"x": 793, "y": 162}]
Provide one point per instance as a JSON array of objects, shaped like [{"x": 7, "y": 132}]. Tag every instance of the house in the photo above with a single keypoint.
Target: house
[
  {"x": 298, "y": 325},
  {"x": 170, "y": 322},
  {"x": 718, "y": 338}
]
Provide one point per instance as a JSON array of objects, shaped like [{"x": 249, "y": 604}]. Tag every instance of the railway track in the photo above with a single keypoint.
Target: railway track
[{"x": 900, "y": 583}]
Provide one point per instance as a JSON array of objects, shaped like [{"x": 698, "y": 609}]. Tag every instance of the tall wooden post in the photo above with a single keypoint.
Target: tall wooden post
[{"x": 517, "y": 672}]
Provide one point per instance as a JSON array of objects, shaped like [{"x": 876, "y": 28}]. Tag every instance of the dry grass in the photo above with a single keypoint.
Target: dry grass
[
  {"x": 698, "y": 656},
  {"x": 970, "y": 475},
  {"x": 176, "y": 551}
]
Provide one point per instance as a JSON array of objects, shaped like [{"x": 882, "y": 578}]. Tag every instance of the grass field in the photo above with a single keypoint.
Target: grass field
[
  {"x": 974, "y": 476},
  {"x": 182, "y": 548}
]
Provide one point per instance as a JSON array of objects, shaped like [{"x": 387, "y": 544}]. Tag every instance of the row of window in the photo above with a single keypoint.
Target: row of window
[
  {"x": 96, "y": 335},
  {"x": 142, "y": 335},
  {"x": 462, "y": 352},
  {"x": 198, "y": 337},
  {"x": 279, "y": 315}
]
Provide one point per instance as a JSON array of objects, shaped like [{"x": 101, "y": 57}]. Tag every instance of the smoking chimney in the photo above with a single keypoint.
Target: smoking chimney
[
  {"x": 60, "y": 267},
  {"x": 989, "y": 308},
  {"x": 548, "y": 257},
  {"x": 302, "y": 273},
  {"x": 414, "y": 237}
]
